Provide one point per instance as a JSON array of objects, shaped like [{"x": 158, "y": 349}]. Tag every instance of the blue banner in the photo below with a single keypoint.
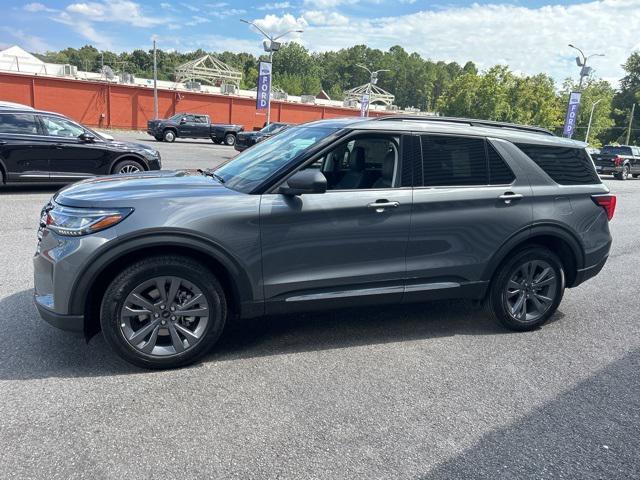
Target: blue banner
[
  {"x": 264, "y": 85},
  {"x": 572, "y": 114},
  {"x": 364, "y": 105}
]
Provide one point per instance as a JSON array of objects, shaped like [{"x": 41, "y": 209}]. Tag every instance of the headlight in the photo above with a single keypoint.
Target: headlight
[
  {"x": 75, "y": 222},
  {"x": 151, "y": 152}
]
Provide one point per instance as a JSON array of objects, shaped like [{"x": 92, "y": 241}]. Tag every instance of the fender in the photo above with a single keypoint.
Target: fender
[
  {"x": 140, "y": 158},
  {"x": 110, "y": 252},
  {"x": 541, "y": 228}
]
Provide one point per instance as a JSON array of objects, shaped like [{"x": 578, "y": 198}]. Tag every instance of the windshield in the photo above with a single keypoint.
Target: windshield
[
  {"x": 272, "y": 127},
  {"x": 246, "y": 171},
  {"x": 610, "y": 150}
]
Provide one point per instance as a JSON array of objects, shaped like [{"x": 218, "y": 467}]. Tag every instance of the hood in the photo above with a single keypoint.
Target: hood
[
  {"x": 126, "y": 190},
  {"x": 250, "y": 134}
]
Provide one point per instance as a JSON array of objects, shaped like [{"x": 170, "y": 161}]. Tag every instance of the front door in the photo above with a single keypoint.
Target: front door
[
  {"x": 23, "y": 150},
  {"x": 71, "y": 158},
  {"x": 345, "y": 244},
  {"x": 466, "y": 206}
]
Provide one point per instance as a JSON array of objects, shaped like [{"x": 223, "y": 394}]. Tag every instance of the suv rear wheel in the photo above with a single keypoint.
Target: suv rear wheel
[
  {"x": 527, "y": 289},
  {"x": 163, "y": 312}
]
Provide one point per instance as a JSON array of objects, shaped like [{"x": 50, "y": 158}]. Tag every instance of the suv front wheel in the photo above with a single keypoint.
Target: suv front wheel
[
  {"x": 527, "y": 289},
  {"x": 163, "y": 312}
]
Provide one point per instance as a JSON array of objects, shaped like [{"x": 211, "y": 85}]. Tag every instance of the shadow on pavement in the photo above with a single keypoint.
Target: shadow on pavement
[
  {"x": 589, "y": 432},
  {"x": 34, "y": 349}
]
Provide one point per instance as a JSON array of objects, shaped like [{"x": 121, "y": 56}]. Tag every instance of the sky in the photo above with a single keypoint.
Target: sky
[{"x": 529, "y": 36}]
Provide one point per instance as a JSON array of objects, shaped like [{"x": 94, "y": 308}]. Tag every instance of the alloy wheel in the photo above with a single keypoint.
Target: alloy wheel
[
  {"x": 129, "y": 168},
  {"x": 530, "y": 291},
  {"x": 164, "y": 316}
]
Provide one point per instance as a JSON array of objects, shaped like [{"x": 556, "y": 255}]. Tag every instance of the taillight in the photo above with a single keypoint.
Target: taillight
[
  {"x": 617, "y": 161},
  {"x": 608, "y": 202}
]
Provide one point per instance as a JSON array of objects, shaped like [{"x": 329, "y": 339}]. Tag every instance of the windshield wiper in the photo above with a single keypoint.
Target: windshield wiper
[{"x": 211, "y": 174}]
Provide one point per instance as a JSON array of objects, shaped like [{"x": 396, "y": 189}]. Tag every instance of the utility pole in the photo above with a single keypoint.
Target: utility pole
[
  {"x": 155, "y": 82},
  {"x": 633, "y": 109},
  {"x": 593, "y": 107}
]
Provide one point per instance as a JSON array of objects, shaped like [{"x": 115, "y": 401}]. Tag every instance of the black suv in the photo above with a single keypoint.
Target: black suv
[
  {"x": 39, "y": 146},
  {"x": 330, "y": 214}
]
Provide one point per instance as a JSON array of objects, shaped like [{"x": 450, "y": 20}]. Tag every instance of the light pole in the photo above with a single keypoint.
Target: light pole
[
  {"x": 373, "y": 79},
  {"x": 582, "y": 62},
  {"x": 271, "y": 45},
  {"x": 593, "y": 107},
  {"x": 155, "y": 82}
]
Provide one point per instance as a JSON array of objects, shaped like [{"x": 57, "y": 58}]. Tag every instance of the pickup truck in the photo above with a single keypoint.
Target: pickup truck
[
  {"x": 619, "y": 161},
  {"x": 192, "y": 125}
]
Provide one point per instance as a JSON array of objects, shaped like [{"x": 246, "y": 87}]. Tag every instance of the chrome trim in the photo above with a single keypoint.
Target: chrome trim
[
  {"x": 420, "y": 287},
  {"x": 345, "y": 294}
]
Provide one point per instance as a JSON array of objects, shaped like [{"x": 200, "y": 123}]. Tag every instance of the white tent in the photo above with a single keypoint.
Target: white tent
[{"x": 15, "y": 59}]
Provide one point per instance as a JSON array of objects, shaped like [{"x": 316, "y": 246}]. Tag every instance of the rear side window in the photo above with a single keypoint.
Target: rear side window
[
  {"x": 454, "y": 161},
  {"x": 612, "y": 150},
  {"x": 20, "y": 123},
  {"x": 566, "y": 166}
]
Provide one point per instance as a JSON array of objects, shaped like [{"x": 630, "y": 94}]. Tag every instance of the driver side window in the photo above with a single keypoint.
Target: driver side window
[
  {"x": 59, "y": 127},
  {"x": 366, "y": 162}
]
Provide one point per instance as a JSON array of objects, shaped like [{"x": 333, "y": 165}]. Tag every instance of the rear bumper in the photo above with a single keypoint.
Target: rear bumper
[
  {"x": 584, "y": 274},
  {"x": 70, "y": 323},
  {"x": 608, "y": 170}
]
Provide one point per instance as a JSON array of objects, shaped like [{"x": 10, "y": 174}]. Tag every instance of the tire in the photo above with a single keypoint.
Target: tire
[
  {"x": 159, "y": 138},
  {"x": 511, "y": 285},
  {"x": 127, "y": 167},
  {"x": 1, "y": 177},
  {"x": 169, "y": 136},
  {"x": 162, "y": 345},
  {"x": 636, "y": 175},
  {"x": 624, "y": 175},
  {"x": 230, "y": 139}
]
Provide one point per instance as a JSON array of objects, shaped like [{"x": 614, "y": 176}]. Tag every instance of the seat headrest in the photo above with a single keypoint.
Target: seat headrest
[
  {"x": 358, "y": 160},
  {"x": 388, "y": 165}
]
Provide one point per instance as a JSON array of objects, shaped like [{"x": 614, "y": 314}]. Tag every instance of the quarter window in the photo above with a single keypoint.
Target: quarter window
[
  {"x": 565, "y": 165},
  {"x": 18, "y": 123},
  {"x": 499, "y": 171}
]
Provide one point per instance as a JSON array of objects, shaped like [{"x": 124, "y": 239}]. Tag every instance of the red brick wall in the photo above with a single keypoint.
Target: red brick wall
[{"x": 129, "y": 107}]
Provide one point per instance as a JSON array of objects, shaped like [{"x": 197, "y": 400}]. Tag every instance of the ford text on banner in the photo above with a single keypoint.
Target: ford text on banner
[
  {"x": 572, "y": 114},
  {"x": 264, "y": 85}
]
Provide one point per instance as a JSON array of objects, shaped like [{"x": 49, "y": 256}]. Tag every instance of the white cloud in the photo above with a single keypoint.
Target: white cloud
[
  {"x": 166, "y": 5},
  {"x": 38, "y": 7},
  {"x": 324, "y": 4},
  {"x": 116, "y": 11},
  {"x": 531, "y": 40},
  {"x": 195, "y": 20},
  {"x": 276, "y": 25},
  {"x": 316, "y": 17},
  {"x": 227, "y": 12},
  {"x": 29, "y": 42},
  {"x": 275, "y": 6}
]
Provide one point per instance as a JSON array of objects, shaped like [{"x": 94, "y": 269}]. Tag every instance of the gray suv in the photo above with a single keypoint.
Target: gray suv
[{"x": 329, "y": 214}]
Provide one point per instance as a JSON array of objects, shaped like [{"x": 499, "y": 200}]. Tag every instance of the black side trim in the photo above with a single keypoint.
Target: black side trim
[{"x": 70, "y": 323}]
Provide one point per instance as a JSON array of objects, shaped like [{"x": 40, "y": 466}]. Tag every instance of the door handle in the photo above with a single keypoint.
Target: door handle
[
  {"x": 509, "y": 196},
  {"x": 382, "y": 204},
  {"x": 3, "y": 142},
  {"x": 58, "y": 145}
]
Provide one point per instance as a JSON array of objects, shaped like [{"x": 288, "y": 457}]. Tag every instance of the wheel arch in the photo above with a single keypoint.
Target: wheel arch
[
  {"x": 129, "y": 156},
  {"x": 172, "y": 128},
  {"x": 556, "y": 238},
  {"x": 89, "y": 287}
]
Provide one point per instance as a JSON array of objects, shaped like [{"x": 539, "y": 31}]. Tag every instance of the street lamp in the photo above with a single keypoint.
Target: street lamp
[
  {"x": 593, "y": 107},
  {"x": 271, "y": 45},
  {"x": 581, "y": 61},
  {"x": 373, "y": 79}
]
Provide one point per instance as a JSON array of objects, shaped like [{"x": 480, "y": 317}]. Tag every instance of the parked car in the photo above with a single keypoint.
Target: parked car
[
  {"x": 621, "y": 161},
  {"x": 192, "y": 125},
  {"x": 330, "y": 214},
  {"x": 39, "y": 146},
  {"x": 247, "y": 139},
  {"x": 19, "y": 106}
]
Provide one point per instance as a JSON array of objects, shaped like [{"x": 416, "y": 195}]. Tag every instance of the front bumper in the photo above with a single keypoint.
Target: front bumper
[{"x": 70, "y": 323}]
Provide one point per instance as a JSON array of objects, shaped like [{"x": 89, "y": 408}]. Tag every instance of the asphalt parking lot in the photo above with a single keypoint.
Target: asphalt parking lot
[{"x": 424, "y": 391}]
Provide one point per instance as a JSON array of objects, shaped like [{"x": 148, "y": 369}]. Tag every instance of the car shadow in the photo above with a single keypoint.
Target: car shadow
[
  {"x": 588, "y": 432},
  {"x": 34, "y": 349}
]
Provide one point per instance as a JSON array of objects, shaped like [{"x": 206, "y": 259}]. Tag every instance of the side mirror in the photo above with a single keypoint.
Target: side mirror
[
  {"x": 86, "y": 137},
  {"x": 305, "y": 181},
  {"x": 183, "y": 120}
]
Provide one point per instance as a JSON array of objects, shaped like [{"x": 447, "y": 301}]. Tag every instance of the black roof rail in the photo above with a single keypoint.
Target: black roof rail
[{"x": 468, "y": 121}]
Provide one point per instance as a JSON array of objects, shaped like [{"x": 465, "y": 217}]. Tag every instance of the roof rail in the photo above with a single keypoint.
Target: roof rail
[{"x": 467, "y": 121}]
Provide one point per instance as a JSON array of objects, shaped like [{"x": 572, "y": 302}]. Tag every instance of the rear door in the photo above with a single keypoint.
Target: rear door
[
  {"x": 343, "y": 245},
  {"x": 466, "y": 204},
  {"x": 201, "y": 126},
  {"x": 23, "y": 150},
  {"x": 69, "y": 157}
]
